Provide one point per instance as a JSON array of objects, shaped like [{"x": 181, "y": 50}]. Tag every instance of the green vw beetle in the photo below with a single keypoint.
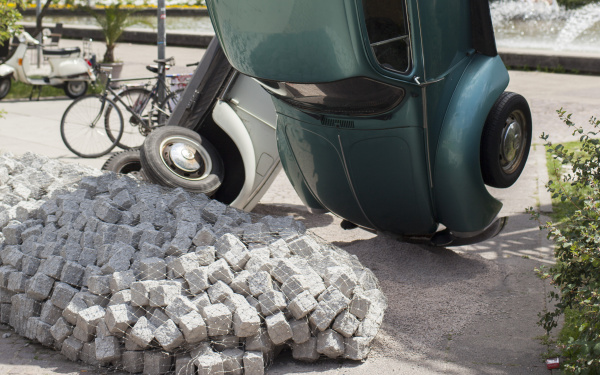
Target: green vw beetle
[{"x": 391, "y": 114}]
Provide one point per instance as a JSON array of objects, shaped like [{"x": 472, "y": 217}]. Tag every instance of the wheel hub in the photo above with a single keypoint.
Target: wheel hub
[
  {"x": 184, "y": 157},
  {"x": 512, "y": 142}
]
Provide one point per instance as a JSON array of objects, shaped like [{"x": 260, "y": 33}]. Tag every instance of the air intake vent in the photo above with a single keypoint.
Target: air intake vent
[{"x": 337, "y": 123}]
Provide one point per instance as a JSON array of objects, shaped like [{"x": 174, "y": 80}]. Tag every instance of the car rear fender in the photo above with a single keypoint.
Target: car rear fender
[{"x": 462, "y": 201}]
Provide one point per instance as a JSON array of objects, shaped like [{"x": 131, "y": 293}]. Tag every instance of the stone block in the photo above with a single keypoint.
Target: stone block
[
  {"x": 246, "y": 321},
  {"x": 357, "y": 348},
  {"x": 305, "y": 246},
  {"x": 179, "y": 307},
  {"x": 300, "y": 331},
  {"x": 209, "y": 363},
  {"x": 30, "y": 265},
  {"x": 271, "y": 302},
  {"x": 284, "y": 269},
  {"x": 169, "y": 336},
  {"x": 302, "y": 305},
  {"x": 359, "y": 305},
  {"x": 219, "y": 292},
  {"x": 201, "y": 300},
  {"x": 107, "y": 349},
  {"x": 140, "y": 292},
  {"x": 71, "y": 348},
  {"x": 233, "y": 361},
  {"x": 330, "y": 343},
  {"x": 50, "y": 313},
  {"x": 184, "y": 365},
  {"x": 133, "y": 361},
  {"x": 31, "y": 326},
  {"x": 88, "y": 354},
  {"x": 99, "y": 284},
  {"x": 322, "y": 317},
  {"x": 206, "y": 255},
  {"x": 152, "y": 269},
  {"x": 164, "y": 294},
  {"x": 178, "y": 246},
  {"x": 6, "y": 295},
  {"x": 5, "y": 312},
  {"x": 307, "y": 351},
  {"x": 260, "y": 283},
  {"x": 254, "y": 363},
  {"x": 120, "y": 259},
  {"x": 12, "y": 233},
  {"x": 204, "y": 237},
  {"x": 119, "y": 318},
  {"x": 221, "y": 343},
  {"x": 294, "y": 286},
  {"x": 240, "y": 283},
  {"x": 256, "y": 233},
  {"x": 345, "y": 324},
  {"x": 148, "y": 250},
  {"x": 72, "y": 273},
  {"x": 193, "y": 327},
  {"x": 220, "y": 270},
  {"x": 142, "y": 333},
  {"x": 17, "y": 282},
  {"x": 278, "y": 328},
  {"x": 228, "y": 242},
  {"x": 72, "y": 249},
  {"x": 106, "y": 212},
  {"x": 71, "y": 311},
  {"x": 5, "y": 272},
  {"x": 334, "y": 299},
  {"x": 183, "y": 264},
  {"x": 122, "y": 297},
  {"x": 237, "y": 258},
  {"x": 343, "y": 279},
  {"x": 61, "y": 330},
  {"x": 259, "y": 261},
  {"x": 152, "y": 237},
  {"x": 218, "y": 319},
  {"x": 119, "y": 281},
  {"x": 213, "y": 210},
  {"x": 52, "y": 266},
  {"x": 157, "y": 316},
  {"x": 197, "y": 280},
  {"x": 157, "y": 362},
  {"x": 40, "y": 286},
  {"x": 89, "y": 318}
]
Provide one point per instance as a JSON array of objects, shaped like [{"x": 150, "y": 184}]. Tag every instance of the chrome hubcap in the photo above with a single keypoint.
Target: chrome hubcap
[
  {"x": 513, "y": 141},
  {"x": 184, "y": 157}
]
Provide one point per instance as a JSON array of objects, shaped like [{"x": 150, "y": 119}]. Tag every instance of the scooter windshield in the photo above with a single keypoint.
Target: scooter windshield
[{"x": 353, "y": 96}]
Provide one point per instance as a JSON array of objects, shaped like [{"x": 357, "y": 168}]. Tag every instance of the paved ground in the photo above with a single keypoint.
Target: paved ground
[{"x": 468, "y": 310}]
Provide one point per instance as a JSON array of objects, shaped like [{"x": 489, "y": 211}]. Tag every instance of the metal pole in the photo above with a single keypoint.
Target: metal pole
[
  {"x": 38, "y": 10},
  {"x": 161, "y": 42}
]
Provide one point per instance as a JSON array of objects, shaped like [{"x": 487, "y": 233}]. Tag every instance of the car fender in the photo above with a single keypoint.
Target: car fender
[
  {"x": 462, "y": 201},
  {"x": 228, "y": 120},
  {"x": 6, "y": 70}
]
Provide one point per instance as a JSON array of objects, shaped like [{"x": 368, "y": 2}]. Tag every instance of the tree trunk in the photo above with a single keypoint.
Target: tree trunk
[
  {"x": 109, "y": 55},
  {"x": 38, "y": 19}
]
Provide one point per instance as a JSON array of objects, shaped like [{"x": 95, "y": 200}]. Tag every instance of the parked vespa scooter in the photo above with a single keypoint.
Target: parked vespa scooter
[{"x": 67, "y": 69}]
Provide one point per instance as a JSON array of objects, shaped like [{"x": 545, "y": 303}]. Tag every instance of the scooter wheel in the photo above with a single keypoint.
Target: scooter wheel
[
  {"x": 125, "y": 162},
  {"x": 75, "y": 89},
  {"x": 5, "y": 84},
  {"x": 174, "y": 156},
  {"x": 505, "y": 140}
]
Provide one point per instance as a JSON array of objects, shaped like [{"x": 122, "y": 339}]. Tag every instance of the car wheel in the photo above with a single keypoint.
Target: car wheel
[
  {"x": 178, "y": 157},
  {"x": 5, "y": 84},
  {"x": 125, "y": 162},
  {"x": 75, "y": 89},
  {"x": 505, "y": 140}
]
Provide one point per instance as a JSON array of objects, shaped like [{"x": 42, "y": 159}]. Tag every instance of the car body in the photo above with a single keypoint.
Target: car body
[{"x": 384, "y": 108}]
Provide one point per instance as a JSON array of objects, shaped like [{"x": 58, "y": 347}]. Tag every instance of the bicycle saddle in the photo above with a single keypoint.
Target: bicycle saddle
[{"x": 154, "y": 68}]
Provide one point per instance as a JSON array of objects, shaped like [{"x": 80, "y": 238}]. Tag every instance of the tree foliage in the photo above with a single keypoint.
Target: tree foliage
[
  {"x": 576, "y": 273},
  {"x": 9, "y": 16}
]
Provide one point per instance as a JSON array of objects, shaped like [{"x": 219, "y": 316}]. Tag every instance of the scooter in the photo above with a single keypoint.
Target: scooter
[{"x": 67, "y": 69}]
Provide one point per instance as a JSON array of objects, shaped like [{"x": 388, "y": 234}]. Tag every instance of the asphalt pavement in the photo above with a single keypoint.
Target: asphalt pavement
[{"x": 466, "y": 310}]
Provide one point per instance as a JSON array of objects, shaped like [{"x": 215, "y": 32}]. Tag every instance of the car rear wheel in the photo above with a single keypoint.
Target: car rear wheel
[
  {"x": 505, "y": 140},
  {"x": 125, "y": 162},
  {"x": 178, "y": 157}
]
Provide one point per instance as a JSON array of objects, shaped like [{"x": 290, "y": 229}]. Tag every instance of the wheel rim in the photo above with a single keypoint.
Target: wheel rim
[
  {"x": 76, "y": 87},
  {"x": 185, "y": 158},
  {"x": 513, "y": 142}
]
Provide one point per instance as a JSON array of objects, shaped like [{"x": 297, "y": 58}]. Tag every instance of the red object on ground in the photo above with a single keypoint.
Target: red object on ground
[{"x": 552, "y": 363}]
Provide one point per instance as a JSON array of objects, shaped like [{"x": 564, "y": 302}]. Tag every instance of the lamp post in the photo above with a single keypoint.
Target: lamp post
[{"x": 161, "y": 41}]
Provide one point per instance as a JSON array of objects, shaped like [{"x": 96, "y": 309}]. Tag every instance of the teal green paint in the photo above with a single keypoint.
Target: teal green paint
[{"x": 462, "y": 201}]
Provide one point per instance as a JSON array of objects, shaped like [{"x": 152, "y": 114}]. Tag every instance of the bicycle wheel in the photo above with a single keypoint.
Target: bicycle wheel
[
  {"x": 140, "y": 101},
  {"x": 84, "y": 125}
]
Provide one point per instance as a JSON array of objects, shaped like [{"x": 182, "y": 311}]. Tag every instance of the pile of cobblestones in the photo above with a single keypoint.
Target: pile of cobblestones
[{"x": 115, "y": 272}]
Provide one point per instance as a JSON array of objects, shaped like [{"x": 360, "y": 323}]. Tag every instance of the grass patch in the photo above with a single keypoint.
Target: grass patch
[{"x": 20, "y": 90}]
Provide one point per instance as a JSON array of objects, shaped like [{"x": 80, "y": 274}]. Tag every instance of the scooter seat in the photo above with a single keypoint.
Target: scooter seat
[{"x": 61, "y": 51}]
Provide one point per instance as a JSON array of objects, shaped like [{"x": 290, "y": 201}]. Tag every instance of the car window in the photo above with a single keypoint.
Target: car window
[{"x": 387, "y": 29}]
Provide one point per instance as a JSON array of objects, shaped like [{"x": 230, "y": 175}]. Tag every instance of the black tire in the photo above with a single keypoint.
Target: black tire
[
  {"x": 124, "y": 162},
  {"x": 204, "y": 171},
  {"x": 141, "y": 101},
  {"x": 75, "y": 89},
  {"x": 505, "y": 140},
  {"x": 5, "y": 83},
  {"x": 83, "y": 126}
]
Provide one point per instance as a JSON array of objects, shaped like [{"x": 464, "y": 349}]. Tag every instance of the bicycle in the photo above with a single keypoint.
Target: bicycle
[{"x": 141, "y": 106}]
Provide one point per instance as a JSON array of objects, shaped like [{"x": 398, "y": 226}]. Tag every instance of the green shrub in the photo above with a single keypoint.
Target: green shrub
[
  {"x": 570, "y": 4},
  {"x": 576, "y": 273}
]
